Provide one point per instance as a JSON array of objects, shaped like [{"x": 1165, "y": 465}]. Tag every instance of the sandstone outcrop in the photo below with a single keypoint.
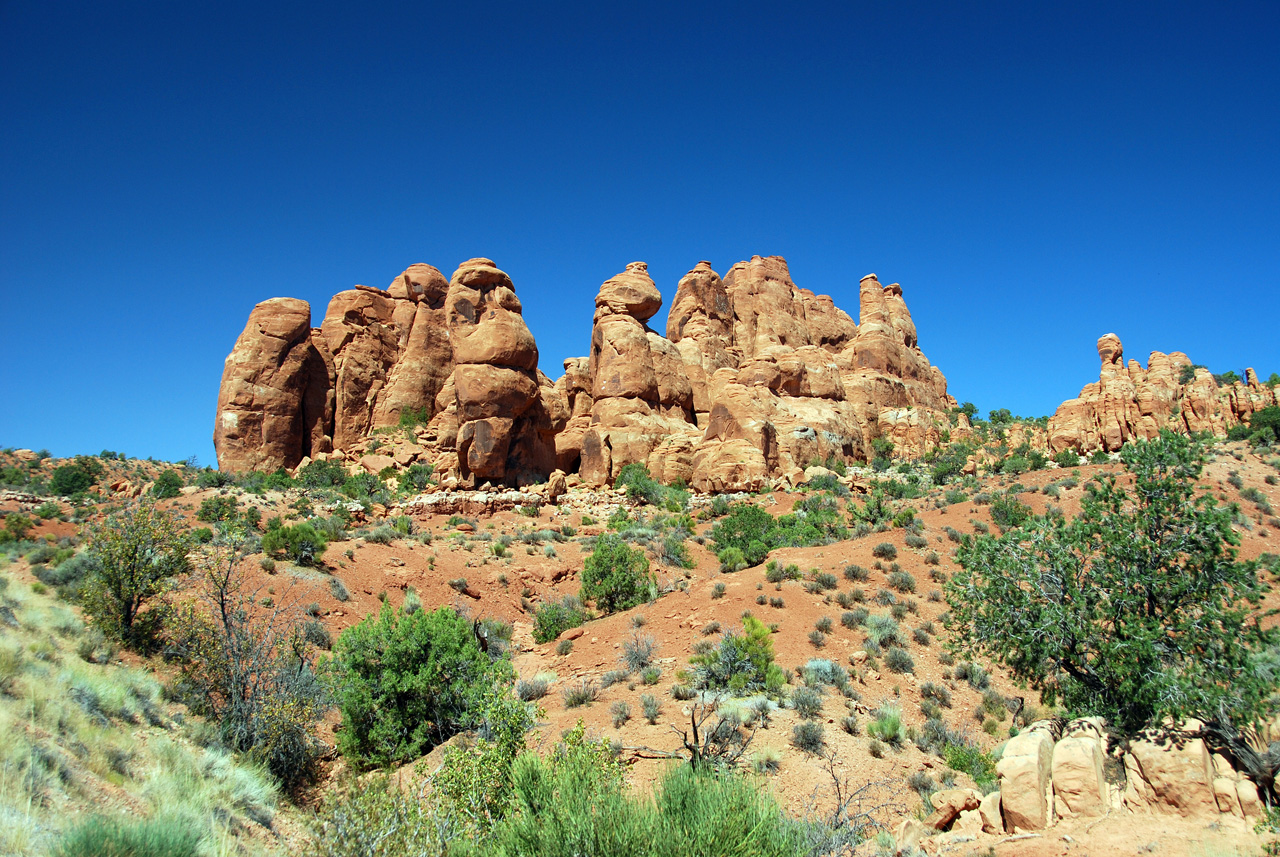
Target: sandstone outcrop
[
  {"x": 275, "y": 404},
  {"x": 755, "y": 379},
  {"x": 1047, "y": 775},
  {"x": 1130, "y": 403},
  {"x": 505, "y": 429}
]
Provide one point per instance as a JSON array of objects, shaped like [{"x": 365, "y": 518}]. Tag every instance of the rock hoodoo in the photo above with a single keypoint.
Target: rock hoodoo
[
  {"x": 755, "y": 379},
  {"x": 1131, "y": 403}
]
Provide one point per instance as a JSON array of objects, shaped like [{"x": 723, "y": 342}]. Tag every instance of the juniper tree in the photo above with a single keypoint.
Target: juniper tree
[{"x": 1137, "y": 610}]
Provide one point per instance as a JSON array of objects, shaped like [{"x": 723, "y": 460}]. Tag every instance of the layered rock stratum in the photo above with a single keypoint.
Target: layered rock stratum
[{"x": 755, "y": 379}]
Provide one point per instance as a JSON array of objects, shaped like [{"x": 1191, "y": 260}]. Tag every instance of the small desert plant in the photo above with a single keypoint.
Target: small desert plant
[
  {"x": 887, "y": 726},
  {"x": 856, "y": 573},
  {"x": 902, "y": 581},
  {"x": 885, "y": 550},
  {"x": 651, "y": 706},
  {"x": 937, "y": 692},
  {"x": 612, "y": 677},
  {"x": 564, "y": 647},
  {"x": 638, "y": 652},
  {"x": 531, "y": 689},
  {"x": 898, "y": 660},
  {"x": 157, "y": 837},
  {"x": 620, "y": 712},
  {"x": 807, "y": 702},
  {"x": 582, "y": 693},
  {"x": 807, "y": 736}
]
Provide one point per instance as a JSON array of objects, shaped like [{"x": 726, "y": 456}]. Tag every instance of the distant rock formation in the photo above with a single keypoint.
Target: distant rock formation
[
  {"x": 1131, "y": 403},
  {"x": 755, "y": 379}
]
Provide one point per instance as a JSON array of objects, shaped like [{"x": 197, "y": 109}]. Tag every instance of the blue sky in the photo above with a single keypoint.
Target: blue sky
[{"x": 1033, "y": 177}]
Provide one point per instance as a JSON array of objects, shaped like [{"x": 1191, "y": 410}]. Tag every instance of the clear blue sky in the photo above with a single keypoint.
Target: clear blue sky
[{"x": 1033, "y": 177}]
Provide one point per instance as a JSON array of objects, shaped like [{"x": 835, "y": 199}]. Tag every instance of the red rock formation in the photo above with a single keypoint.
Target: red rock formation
[
  {"x": 275, "y": 404},
  {"x": 755, "y": 379},
  {"x": 506, "y": 429},
  {"x": 640, "y": 393},
  {"x": 1131, "y": 403}
]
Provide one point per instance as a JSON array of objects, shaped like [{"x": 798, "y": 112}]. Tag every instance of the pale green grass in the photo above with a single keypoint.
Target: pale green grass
[{"x": 72, "y": 729}]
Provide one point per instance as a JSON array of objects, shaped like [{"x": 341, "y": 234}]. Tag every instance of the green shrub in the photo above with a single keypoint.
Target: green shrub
[
  {"x": 616, "y": 577},
  {"x": 807, "y": 736},
  {"x": 1008, "y": 512},
  {"x": 376, "y": 817},
  {"x": 78, "y": 476},
  {"x": 902, "y": 581},
  {"x": 15, "y": 528},
  {"x": 300, "y": 543},
  {"x": 1067, "y": 458},
  {"x": 968, "y": 758},
  {"x": 898, "y": 661},
  {"x": 416, "y": 478},
  {"x": 741, "y": 663},
  {"x": 136, "y": 552},
  {"x": 406, "y": 683},
  {"x": 807, "y": 702},
  {"x": 731, "y": 560},
  {"x": 885, "y": 550},
  {"x": 167, "y": 485},
  {"x": 553, "y": 618},
  {"x": 752, "y": 530},
  {"x": 215, "y": 510},
  {"x": 575, "y": 801},
  {"x": 887, "y": 726},
  {"x": 103, "y": 837}
]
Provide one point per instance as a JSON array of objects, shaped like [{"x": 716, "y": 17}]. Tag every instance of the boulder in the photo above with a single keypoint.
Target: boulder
[
  {"x": 948, "y": 804},
  {"x": 1025, "y": 774},
  {"x": 1170, "y": 772},
  {"x": 1078, "y": 785},
  {"x": 989, "y": 810}
]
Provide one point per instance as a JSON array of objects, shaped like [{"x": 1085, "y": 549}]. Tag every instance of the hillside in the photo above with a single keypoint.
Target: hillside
[{"x": 504, "y": 556}]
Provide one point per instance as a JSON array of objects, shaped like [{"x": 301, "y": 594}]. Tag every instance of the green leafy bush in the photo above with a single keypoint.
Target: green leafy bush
[
  {"x": 214, "y": 510},
  {"x": 167, "y": 485},
  {"x": 752, "y": 530},
  {"x": 1009, "y": 512},
  {"x": 1148, "y": 609},
  {"x": 885, "y": 550},
  {"x": 77, "y": 476},
  {"x": 406, "y": 683},
  {"x": 136, "y": 552},
  {"x": 417, "y": 477},
  {"x": 742, "y": 663},
  {"x": 575, "y": 801},
  {"x": 553, "y": 618},
  {"x": 322, "y": 474},
  {"x": 300, "y": 543},
  {"x": 616, "y": 576}
]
